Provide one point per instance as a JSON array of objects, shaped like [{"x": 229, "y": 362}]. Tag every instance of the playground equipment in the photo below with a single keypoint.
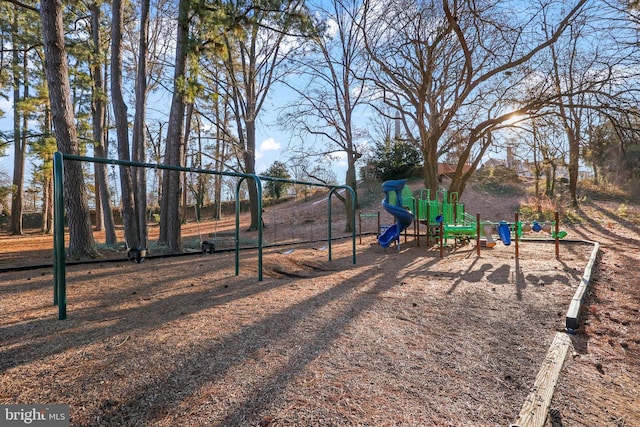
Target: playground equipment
[
  {"x": 488, "y": 230},
  {"x": 504, "y": 231},
  {"x": 445, "y": 218},
  {"x": 59, "y": 263},
  {"x": 403, "y": 215}
]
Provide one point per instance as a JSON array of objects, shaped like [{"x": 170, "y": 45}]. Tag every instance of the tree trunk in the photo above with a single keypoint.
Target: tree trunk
[
  {"x": 217, "y": 181},
  {"x": 185, "y": 152},
  {"x": 250, "y": 168},
  {"x": 170, "y": 225},
  {"x": 19, "y": 150},
  {"x": 462, "y": 177},
  {"x": 129, "y": 218},
  {"x": 156, "y": 156},
  {"x": 430, "y": 168},
  {"x": 23, "y": 132},
  {"x": 81, "y": 242},
  {"x": 98, "y": 223},
  {"x": 98, "y": 109},
  {"x": 47, "y": 204},
  {"x": 352, "y": 182},
  {"x": 198, "y": 188},
  {"x": 536, "y": 174},
  {"x": 548, "y": 190},
  {"x": 139, "y": 141},
  {"x": 574, "y": 157},
  {"x": 220, "y": 154},
  {"x": 105, "y": 196},
  {"x": 47, "y": 180}
]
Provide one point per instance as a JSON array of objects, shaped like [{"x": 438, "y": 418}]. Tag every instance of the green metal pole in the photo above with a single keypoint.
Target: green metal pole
[
  {"x": 329, "y": 220},
  {"x": 515, "y": 227},
  {"x": 557, "y": 229},
  {"x": 56, "y": 167},
  {"x": 353, "y": 221},
  {"x": 59, "y": 276},
  {"x": 237, "y": 239},
  {"x": 258, "y": 184},
  {"x": 478, "y": 233}
]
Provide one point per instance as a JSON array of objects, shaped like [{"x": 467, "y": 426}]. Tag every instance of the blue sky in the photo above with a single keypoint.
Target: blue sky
[{"x": 6, "y": 163}]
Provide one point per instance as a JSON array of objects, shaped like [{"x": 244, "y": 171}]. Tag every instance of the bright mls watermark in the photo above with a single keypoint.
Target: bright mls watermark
[{"x": 34, "y": 415}]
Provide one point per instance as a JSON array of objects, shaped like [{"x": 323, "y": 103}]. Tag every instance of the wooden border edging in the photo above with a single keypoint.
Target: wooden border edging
[
  {"x": 578, "y": 297},
  {"x": 535, "y": 408}
]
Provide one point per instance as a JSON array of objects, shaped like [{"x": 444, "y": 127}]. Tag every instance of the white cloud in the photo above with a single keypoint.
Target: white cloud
[
  {"x": 267, "y": 152},
  {"x": 332, "y": 28},
  {"x": 341, "y": 158},
  {"x": 269, "y": 144}
]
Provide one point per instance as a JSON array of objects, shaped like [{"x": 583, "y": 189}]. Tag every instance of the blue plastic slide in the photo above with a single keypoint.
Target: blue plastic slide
[{"x": 404, "y": 218}]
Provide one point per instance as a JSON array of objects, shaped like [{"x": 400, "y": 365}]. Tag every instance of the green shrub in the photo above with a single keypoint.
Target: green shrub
[{"x": 396, "y": 160}]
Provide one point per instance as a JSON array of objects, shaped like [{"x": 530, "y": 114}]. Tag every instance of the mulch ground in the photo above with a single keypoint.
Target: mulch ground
[
  {"x": 400, "y": 338},
  {"x": 599, "y": 382}
]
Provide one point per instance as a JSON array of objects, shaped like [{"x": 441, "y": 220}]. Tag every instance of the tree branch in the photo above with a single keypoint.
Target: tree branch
[{"x": 24, "y": 6}]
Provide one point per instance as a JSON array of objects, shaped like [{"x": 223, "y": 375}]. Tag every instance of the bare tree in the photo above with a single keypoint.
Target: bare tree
[
  {"x": 213, "y": 107},
  {"x": 327, "y": 104},
  {"x": 454, "y": 72},
  {"x": 570, "y": 114},
  {"x": 256, "y": 51},
  {"x": 617, "y": 147},
  {"x": 220, "y": 154},
  {"x": 598, "y": 77},
  {"x": 155, "y": 138},
  {"x": 81, "y": 242}
]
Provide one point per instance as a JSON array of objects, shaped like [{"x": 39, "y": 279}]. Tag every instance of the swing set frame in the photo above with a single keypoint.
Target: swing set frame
[{"x": 59, "y": 264}]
